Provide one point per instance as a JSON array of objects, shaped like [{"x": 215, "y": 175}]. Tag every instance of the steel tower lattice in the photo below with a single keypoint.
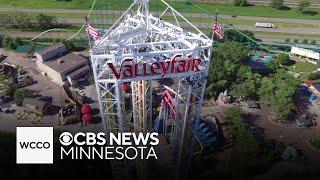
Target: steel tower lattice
[{"x": 145, "y": 39}]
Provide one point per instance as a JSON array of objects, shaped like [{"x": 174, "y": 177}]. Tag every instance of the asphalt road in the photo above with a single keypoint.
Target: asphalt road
[
  {"x": 208, "y": 25},
  {"x": 298, "y": 30},
  {"x": 85, "y": 12}
]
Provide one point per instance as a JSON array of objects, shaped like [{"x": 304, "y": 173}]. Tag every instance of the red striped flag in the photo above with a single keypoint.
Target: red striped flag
[
  {"x": 93, "y": 32},
  {"x": 217, "y": 29}
]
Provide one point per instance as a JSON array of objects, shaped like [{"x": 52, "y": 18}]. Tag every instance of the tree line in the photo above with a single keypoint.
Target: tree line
[
  {"x": 27, "y": 22},
  {"x": 277, "y": 4}
]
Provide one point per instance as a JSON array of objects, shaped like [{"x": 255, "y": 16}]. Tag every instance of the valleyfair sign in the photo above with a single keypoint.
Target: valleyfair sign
[{"x": 177, "y": 64}]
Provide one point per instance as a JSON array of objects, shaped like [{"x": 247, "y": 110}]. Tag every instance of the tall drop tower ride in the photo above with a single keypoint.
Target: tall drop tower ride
[{"x": 136, "y": 50}]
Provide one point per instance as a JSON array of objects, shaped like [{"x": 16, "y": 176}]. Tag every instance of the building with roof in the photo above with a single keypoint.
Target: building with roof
[
  {"x": 36, "y": 106},
  {"x": 63, "y": 68},
  {"x": 51, "y": 52},
  {"x": 7, "y": 69}
]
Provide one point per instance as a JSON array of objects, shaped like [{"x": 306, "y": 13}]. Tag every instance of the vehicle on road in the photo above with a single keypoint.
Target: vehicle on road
[{"x": 265, "y": 25}]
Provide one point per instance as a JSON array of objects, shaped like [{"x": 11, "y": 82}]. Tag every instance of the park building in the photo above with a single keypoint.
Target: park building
[
  {"x": 36, "y": 106},
  {"x": 51, "y": 52},
  {"x": 62, "y": 67},
  {"x": 312, "y": 56}
]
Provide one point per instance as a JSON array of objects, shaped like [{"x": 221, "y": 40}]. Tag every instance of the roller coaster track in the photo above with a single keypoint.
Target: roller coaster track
[
  {"x": 262, "y": 45},
  {"x": 48, "y": 31},
  {"x": 64, "y": 30}
]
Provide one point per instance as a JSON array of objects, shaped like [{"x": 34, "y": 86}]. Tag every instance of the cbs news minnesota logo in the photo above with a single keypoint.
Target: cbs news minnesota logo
[{"x": 34, "y": 145}]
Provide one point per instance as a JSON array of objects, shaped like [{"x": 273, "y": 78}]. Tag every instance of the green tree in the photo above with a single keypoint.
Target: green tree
[
  {"x": 228, "y": 57},
  {"x": 17, "y": 41},
  {"x": 233, "y": 35},
  {"x": 20, "y": 94},
  {"x": 273, "y": 65},
  {"x": 283, "y": 59},
  {"x": 296, "y": 41},
  {"x": 12, "y": 45},
  {"x": 278, "y": 90},
  {"x": 6, "y": 42},
  {"x": 45, "y": 22},
  {"x": 313, "y": 42},
  {"x": 247, "y": 83},
  {"x": 22, "y": 21},
  {"x": 278, "y": 4},
  {"x": 247, "y": 153},
  {"x": 69, "y": 44},
  {"x": 11, "y": 89},
  {"x": 303, "y": 4},
  {"x": 240, "y": 2}
]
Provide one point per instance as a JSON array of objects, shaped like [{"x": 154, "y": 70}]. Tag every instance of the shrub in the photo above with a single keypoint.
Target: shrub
[
  {"x": 287, "y": 40},
  {"x": 305, "y": 41},
  {"x": 296, "y": 41},
  {"x": 313, "y": 42}
]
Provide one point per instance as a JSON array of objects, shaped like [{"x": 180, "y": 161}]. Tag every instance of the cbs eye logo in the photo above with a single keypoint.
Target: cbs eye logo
[{"x": 66, "y": 138}]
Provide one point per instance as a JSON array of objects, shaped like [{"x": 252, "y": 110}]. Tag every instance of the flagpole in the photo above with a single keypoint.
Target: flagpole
[
  {"x": 87, "y": 33},
  {"x": 216, "y": 20}
]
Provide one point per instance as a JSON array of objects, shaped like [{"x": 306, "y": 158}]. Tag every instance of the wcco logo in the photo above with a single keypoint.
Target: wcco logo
[{"x": 34, "y": 145}]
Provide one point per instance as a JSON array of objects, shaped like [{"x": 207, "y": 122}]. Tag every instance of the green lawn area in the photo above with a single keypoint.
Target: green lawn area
[
  {"x": 50, "y": 4},
  {"x": 301, "y": 67},
  {"x": 262, "y": 11},
  {"x": 58, "y": 15},
  {"x": 289, "y": 35}
]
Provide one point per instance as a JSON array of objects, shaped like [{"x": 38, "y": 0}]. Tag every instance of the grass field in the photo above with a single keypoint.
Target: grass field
[
  {"x": 301, "y": 67},
  {"x": 51, "y": 4},
  {"x": 283, "y": 36},
  {"x": 262, "y": 11}
]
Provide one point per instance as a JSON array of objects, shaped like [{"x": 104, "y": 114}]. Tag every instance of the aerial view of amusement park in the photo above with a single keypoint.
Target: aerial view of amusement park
[{"x": 232, "y": 87}]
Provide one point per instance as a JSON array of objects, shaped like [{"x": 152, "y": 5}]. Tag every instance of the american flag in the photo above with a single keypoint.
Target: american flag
[
  {"x": 93, "y": 32},
  {"x": 217, "y": 30}
]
